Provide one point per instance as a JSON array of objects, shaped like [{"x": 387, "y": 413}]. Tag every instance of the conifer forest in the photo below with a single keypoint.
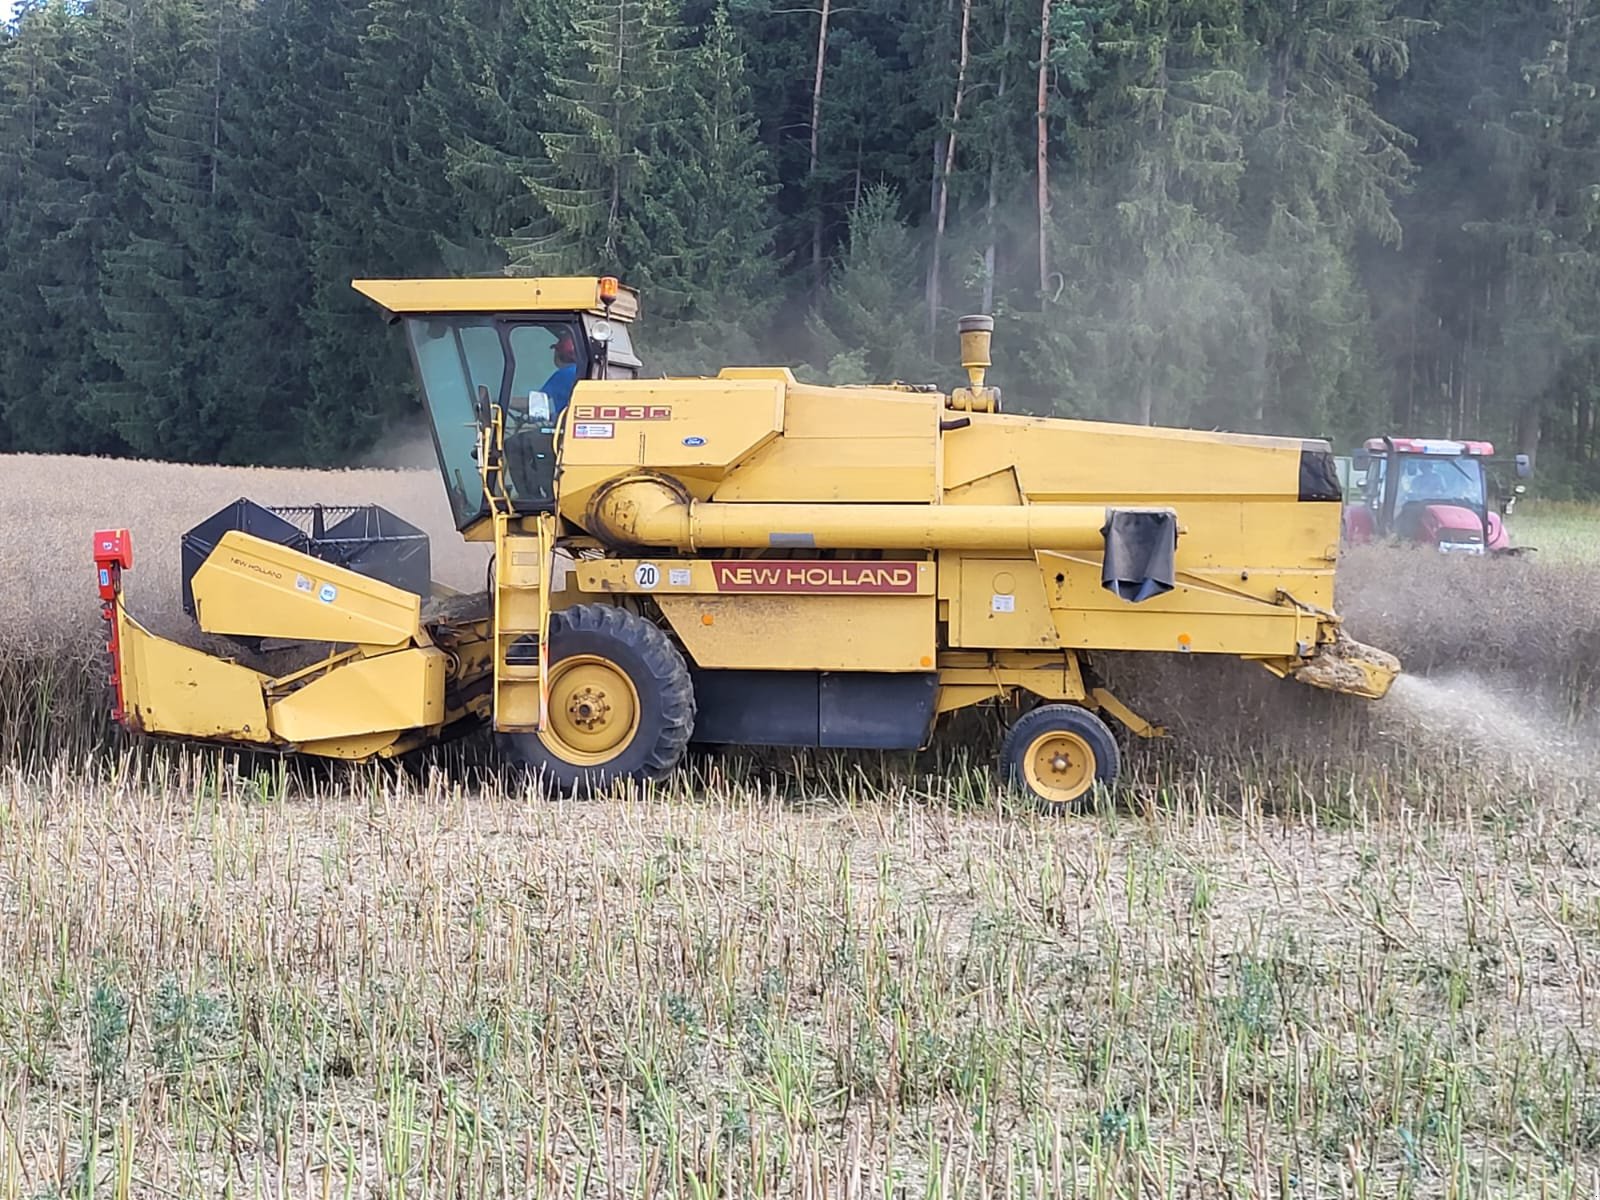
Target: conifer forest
[{"x": 1333, "y": 218}]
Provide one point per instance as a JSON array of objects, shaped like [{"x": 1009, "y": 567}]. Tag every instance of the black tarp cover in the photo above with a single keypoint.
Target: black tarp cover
[{"x": 1141, "y": 552}]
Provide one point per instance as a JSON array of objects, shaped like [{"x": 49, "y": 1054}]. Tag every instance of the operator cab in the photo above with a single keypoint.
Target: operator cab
[{"x": 523, "y": 345}]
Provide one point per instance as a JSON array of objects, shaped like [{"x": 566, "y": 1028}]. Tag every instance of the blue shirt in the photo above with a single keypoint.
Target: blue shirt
[{"x": 559, "y": 388}]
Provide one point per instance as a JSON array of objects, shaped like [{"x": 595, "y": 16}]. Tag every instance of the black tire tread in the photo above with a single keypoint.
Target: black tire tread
[
  {"x": 1073, "y": 717},
  {"x": 667, "y": 676}
]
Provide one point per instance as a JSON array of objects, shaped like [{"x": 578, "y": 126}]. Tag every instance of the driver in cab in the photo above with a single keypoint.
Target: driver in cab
[{"x": 562, "y": 380}]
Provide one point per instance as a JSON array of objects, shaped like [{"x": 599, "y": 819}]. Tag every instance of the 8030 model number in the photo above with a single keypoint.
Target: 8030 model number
[{"x": 622, "y": 412}]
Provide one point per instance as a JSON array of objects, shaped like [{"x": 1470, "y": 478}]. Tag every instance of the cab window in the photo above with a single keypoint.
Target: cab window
[
  {"x": 546, "y": 364},
  {"x": 460, "y": 364}
]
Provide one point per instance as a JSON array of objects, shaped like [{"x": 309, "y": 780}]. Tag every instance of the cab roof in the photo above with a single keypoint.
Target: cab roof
[
  {"x": 502, "y": 294},
  {"x": 1439, "y": 446}
]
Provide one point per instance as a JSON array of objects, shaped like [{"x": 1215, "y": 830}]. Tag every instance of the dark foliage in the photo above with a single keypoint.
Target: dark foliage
[{"x": 1311, "y": 219}]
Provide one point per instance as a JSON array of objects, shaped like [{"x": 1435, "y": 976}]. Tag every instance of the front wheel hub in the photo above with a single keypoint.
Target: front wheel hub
[{"x": 594, "y": 710}]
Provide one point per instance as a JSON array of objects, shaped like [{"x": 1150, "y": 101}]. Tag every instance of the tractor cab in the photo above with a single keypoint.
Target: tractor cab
[
  {"x": 516, "y": 348},
  {"x": 1430, "y": 492}
]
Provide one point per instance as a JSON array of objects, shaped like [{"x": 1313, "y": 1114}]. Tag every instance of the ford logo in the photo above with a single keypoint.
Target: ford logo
[{"x": 694, "y": 441}]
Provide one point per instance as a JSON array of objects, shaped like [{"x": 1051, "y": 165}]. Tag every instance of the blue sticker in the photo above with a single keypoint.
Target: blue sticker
[
  {"x": 694, "y": 441},
  {"x": 328, "y": 593}
]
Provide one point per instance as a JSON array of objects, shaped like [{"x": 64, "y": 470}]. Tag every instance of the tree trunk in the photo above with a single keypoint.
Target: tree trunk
[
  {"x": 942, "y": 204},
  {"x": 1043, "y": 149},
  {"x": 989, "y": 255},
  {"x": 816, "y": 136}
]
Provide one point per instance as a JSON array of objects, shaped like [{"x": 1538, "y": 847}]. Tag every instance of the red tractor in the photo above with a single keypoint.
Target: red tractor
[{"x": 1430, "y": 492}]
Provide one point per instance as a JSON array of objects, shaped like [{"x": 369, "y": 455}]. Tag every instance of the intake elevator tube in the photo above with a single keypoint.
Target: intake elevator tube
[{"x": 650, "y": 510}]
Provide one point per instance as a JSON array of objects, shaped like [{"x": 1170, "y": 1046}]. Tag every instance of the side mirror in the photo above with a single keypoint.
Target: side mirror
[
  {"x": 539, "y": 407},
  {"x": 1524, "y": 466},
  {"x": 1361, "y": 460}
]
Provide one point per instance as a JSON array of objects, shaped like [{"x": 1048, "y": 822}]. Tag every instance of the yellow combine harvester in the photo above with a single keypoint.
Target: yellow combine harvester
[{"x": 746, "y": 559}]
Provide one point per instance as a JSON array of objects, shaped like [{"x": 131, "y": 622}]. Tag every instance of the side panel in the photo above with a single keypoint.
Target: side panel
[
  {"x": 399, "y": 691},
  {"x": 1196, "y": 616},
  {"x": 862, "y": 446},
  {"x": 696, "y": 430},
  {"x": 837, "y": 710},
  {"x": 171, "y": 689},
  {"x": 249, "y": 587},
  {"x": 798, "y": 633},
  {"x": 1248, "y": 524},
  {"x": 997, "y": 603}
]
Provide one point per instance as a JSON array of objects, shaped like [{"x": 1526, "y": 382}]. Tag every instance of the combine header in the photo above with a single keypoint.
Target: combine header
[{"x": 746, "y": 559}]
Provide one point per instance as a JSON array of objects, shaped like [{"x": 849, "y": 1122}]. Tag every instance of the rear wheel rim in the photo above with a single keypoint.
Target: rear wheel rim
[
  {"x": 1060, "y": 766},
  {"x": 593, "y": 713}
]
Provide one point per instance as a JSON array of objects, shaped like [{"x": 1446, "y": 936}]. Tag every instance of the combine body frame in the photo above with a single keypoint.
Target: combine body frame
[{"x": 749, "y": 559}]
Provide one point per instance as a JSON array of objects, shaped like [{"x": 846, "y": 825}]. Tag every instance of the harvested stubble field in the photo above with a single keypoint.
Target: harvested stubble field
[{"x": 1312, "y": 949}]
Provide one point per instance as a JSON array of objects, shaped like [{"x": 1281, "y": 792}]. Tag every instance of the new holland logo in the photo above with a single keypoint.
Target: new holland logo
[{"x": 839, "y": 578}]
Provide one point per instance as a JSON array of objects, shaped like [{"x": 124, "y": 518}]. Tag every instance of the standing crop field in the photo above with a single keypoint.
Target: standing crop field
[{"x": 1311, "y": 948}]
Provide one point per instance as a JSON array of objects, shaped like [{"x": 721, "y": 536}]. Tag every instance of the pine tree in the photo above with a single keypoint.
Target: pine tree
[
  {"x": 877, "y": 275},
  {"x": 709, "y": 203},
  {"x": 609, "y": 96}
]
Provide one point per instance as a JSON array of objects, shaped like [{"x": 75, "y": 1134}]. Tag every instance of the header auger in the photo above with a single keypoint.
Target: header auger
[{"x": 747, "y": 559}]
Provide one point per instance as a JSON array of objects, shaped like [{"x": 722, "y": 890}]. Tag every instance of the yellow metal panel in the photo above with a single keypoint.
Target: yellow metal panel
[
  {"x": 781, "y": 373},
  {"x": 999, "y": 487},
  {"x": 1068, "y": 461},
  {"x": 868, "y": 578},
  {"x": 496, "y": 295},
  {"x": 805, "y": 633},
  {"x": 861, "y": 446},
  {"x": 352, "y": 749},
  {"x": 517, "y": 706},
  {"x": 171, "y": 689},
  {"x": 1052, "y": 676},
  {"x": 1193, "y": 617},
  {"x": 249, "y": 587},
  {"x": 860, "y": 414},
  {"x": 695, "y": 429},
  {"x": 878, "y": 470},
  {"x": 1001, "y": 605},
  {"x": 399, "y": 691}
]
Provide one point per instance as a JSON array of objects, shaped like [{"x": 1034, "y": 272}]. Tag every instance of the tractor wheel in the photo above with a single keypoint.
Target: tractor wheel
[
  {"x": 621, "y": 703},
  {"x": 1055, "y": 755}
]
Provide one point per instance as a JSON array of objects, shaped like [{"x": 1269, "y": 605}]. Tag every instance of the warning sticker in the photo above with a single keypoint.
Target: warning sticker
[
  {"x": 999, "y": 603},
  {"x": 594, "y": 429},
  {"x": 679, "y": 576}
]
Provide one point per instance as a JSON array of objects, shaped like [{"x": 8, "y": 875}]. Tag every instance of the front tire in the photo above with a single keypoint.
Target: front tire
[
  {"x": 621, "y": 704},
  {"x": 1057, "y": 754}
]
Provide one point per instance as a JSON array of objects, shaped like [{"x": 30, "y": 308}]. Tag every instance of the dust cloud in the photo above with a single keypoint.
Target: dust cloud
[{"x": 1507, "y": 722}]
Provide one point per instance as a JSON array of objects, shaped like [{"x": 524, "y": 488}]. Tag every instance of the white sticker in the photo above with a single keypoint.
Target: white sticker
[
  {"x": 999, "y": 603},
  {"x": 647, "y": 575},
  {"x": 679, "y": 576},
  {"x": 328, "y": 594},
  {"x": 594, "y": 429},
  {"x": 302, "y": 584}
]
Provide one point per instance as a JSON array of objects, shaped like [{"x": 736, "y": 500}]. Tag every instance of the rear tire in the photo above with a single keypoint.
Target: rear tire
[
  {"x": 1057, "y": 754},
  {"x": 621, "y": 703}
]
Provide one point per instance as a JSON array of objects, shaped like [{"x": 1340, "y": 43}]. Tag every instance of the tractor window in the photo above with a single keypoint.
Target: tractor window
[
  {"x": 1437, "y": 480},
  {"x": 461, "y": 366},
  {"x": 1372, "y": 486}
]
